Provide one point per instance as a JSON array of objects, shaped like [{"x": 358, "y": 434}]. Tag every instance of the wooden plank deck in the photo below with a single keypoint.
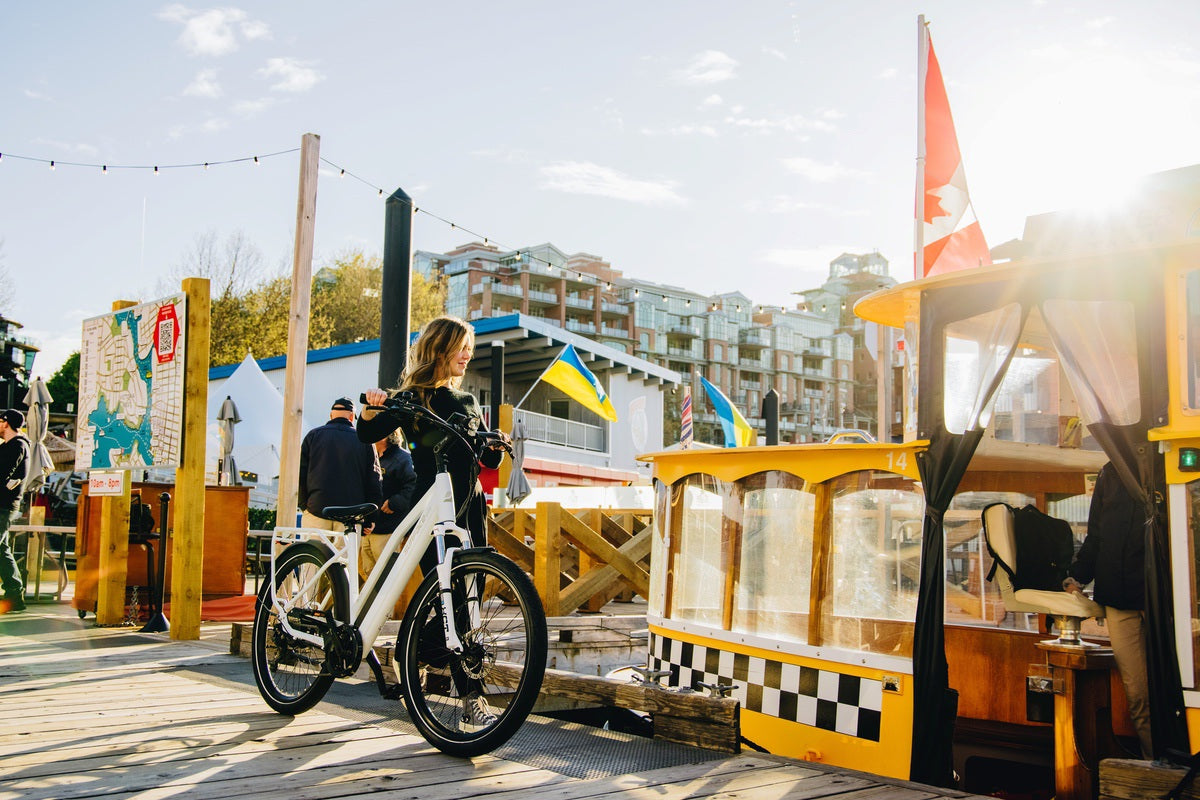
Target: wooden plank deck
[{"x": 90, "y": 712}]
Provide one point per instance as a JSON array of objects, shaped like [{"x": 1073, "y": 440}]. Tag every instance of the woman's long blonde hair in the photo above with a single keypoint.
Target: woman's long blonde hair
[{"x": 428, "y": 364}]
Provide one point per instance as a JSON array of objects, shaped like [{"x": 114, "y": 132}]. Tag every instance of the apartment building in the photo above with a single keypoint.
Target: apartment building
[{"x": 816, "y": 356}]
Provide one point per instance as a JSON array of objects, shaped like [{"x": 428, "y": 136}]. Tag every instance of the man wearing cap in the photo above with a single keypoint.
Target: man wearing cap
[
  {"x": 14, "y": 461},
  {"x": 336, "y": 469}
]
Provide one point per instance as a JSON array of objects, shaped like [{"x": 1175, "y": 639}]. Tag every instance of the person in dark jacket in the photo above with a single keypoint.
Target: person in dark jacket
[
  {"x": 336, "y": 469},
  {"x": 14, "y": 463},
  {"x": 434, "y": 372},
  {"x": 1113, "y": 555},
  {"x": 399, "y": 479}
]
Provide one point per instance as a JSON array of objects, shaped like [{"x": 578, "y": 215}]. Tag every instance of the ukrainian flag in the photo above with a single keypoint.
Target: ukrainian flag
[
  {"x": 738, "y": 432},
  {"x": 575, "y": 380}
]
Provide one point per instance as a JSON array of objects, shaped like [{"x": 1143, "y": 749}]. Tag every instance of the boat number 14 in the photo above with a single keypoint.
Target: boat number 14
[{"x": 897, "y": 461}]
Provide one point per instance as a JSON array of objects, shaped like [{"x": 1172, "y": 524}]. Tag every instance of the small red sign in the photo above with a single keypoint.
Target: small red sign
[{"x": 166, "y": 333}]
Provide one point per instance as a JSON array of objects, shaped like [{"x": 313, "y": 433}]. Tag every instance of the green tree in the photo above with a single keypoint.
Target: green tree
[
  {"x": 345, "y": 301},
  {"x": 64, "y": 385},
  {"x": 427, "y": 299}
]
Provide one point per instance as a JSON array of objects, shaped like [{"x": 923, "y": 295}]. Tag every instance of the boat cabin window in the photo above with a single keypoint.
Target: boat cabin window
[
  {"x": 774, "y": 558},
  {"x": 1192, "y": 499},
  {"x": 1192, "y": 353},
  {"x": 976, "y": 349},
  {"x": 1098, "y": 343},
  {"x": 875, "y": 561}
]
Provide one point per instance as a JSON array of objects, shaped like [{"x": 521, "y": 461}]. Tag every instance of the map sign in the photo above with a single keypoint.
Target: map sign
[{"x": 131, "y": 369}]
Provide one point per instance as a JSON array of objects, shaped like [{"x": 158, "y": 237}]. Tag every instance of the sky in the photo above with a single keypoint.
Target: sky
[{"x": 706, "y": 144}]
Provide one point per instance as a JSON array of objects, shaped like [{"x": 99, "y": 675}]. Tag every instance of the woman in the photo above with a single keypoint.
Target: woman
[{"x": 434, "y": 372}]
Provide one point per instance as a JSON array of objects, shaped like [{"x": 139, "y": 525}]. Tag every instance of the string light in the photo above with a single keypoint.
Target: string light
[
  {"x": 155, "y": 168},
  {"x": 51, "y": 166}
]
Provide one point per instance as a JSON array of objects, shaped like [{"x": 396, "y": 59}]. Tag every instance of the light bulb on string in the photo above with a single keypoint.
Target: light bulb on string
[
  {"x": 256, "y": 161},
  {"x": 206, "y": 166},
  {"x": 156, "y": 170},
  {"x": 51, "y": 166},
  {"x": 343, "y": 174},
  {"x": 104, "y": 169}
]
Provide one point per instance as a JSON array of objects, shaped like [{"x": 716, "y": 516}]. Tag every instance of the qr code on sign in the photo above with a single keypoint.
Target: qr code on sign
[{"x": 166, "y": 336}]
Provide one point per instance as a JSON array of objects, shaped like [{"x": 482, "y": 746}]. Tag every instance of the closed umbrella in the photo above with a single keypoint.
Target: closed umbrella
[
  {"x": 37, "y": 422},
  {"x": 227, "y": 417},
  {"x": 518, "y": 485}
]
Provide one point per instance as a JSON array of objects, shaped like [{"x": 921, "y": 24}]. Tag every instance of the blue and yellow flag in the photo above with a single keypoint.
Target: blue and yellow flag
[
  {"x": 738, "y": 432},
  {"x": 569, "y": 375}
]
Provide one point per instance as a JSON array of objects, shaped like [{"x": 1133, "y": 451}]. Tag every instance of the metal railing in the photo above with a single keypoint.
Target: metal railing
[{"x": 565, "y": 432}]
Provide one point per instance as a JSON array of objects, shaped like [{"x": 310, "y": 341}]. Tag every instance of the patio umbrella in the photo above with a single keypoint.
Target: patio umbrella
[
  {"x": 37, "y": 423},
  {"x": 518, "y": 485},
  {"x": 227, "y": 417}
]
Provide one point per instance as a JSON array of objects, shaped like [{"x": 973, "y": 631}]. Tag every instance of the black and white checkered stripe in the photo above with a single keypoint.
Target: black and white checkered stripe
[{"x": 829, "y": 700}]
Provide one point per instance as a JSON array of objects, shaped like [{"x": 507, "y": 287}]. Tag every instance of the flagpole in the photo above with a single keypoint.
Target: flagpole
[
  {"x": 533, "y": 385},
  {"x": 919, "y": 219}
]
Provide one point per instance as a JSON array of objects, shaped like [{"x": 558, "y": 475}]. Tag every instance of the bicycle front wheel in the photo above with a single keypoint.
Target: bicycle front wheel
[
  {"x": 289, "y": 671},
  {"x": 470, "y": 703}
]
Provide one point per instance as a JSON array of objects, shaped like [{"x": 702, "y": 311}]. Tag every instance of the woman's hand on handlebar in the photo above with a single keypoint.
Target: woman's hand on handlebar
[
  {"x": 498, "y": 440},
  {"x": 375, "y": 397}
]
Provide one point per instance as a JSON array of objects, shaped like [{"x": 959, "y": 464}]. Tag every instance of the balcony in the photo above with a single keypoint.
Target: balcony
[
  {"x": 753, "y": 339},
  {"x": 614, "y": 308},
  {"x": 565, "y": 432},
  {"x": 751, "y": 363},
  {"x": 686, "y": 331},
  {"x": 616, "y": 333},
  {"x": 543, "y": 298},
  {"x": 575, "y": 326},
  {"x": 580, "y": 302},
  {"x": 682, "y": 352}
]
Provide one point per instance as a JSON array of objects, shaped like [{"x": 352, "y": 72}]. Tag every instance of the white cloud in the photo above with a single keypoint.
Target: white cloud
[
  {"x": 214, "y": 31},
  {"x": 214, "y": 124},
  {"x": 582, "y": 177},
  {"x": 711, "y": 66},
  {"x": 771, "y": 51},
  {"x": 35, "y": 95},
  {"x": 683, "y": 130},
  {"x": 793, "y": 123},
  {"x": 294, "y": 75},
  {"x": 77, "y": 148},
  {"x": 889, "y": 73},
  {"x": 204, "y": 85},
  {"x": 712, "y": 100},
  {"x": 250, "y": 108},
  {"x": 821, "y": 173},
  {"x": 1100, "y": 22}
]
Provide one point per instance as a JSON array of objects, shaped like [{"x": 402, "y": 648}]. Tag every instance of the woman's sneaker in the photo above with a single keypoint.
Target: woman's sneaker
[{"x": 477, "y": 714}]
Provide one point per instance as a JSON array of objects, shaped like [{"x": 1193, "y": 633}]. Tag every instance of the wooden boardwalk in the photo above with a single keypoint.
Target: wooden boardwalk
[{"x": 90, "y": 712}]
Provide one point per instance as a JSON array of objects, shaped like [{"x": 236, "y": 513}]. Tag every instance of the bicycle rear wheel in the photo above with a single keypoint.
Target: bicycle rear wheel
[
  {"x": 290, "y": 672},
  {"x": 471, "y": 703}
]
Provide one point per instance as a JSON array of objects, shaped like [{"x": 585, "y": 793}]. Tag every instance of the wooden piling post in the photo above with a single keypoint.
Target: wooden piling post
[{"x": 187, "y": 554}]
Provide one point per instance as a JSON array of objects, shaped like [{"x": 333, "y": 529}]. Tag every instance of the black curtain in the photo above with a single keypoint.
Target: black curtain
[
  {"x": 1141, "y": 470},
  {"x": 935, "y": 704}
]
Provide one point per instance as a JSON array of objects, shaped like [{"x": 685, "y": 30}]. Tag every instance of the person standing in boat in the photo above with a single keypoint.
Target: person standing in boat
[{"x": 1113, "y": 555}]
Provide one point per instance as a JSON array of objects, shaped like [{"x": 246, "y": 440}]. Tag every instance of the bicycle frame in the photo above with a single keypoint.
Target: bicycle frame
[{"x": 431, "y": 519}]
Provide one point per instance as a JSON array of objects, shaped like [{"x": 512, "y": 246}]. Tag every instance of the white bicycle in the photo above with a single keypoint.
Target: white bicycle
[{"x": 471, "y": 652}]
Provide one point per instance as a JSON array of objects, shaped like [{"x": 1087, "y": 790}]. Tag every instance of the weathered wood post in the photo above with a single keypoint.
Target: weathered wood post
[
  {"x": 297, "y": 349},
  {"x": 187, "y": 550}
]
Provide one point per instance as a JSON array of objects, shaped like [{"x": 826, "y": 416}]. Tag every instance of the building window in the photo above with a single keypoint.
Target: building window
[{"x": 560, "y": 409}]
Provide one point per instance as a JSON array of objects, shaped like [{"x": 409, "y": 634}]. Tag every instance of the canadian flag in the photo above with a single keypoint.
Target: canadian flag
[{"x": 948, "y": 236}]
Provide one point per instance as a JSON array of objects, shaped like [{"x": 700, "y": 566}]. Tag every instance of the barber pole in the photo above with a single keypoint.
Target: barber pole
[{"x": 685, "y": 432}]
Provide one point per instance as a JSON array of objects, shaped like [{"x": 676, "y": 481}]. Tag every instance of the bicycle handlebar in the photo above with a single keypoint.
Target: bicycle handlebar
[{"x": 405, "y": 407}]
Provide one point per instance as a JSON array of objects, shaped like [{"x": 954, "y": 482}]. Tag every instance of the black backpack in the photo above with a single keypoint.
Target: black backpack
[{"x": 1045, "y": 547}]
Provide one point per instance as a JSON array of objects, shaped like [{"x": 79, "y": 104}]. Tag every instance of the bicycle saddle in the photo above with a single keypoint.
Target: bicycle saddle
[{"x": 348, "y": 514}]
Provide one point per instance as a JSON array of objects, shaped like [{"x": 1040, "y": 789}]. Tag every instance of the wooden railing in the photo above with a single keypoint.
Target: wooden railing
[{"x": 579, "y": 558}]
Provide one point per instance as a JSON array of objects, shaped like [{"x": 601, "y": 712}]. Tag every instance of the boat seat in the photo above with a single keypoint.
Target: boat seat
[{"x": 1068, "y": 608}]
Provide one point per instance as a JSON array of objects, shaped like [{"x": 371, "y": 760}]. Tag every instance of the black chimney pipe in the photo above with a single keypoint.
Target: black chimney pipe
[
  {"x": 770, "y": 411},
  {"x": 394, "y": 299}
]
